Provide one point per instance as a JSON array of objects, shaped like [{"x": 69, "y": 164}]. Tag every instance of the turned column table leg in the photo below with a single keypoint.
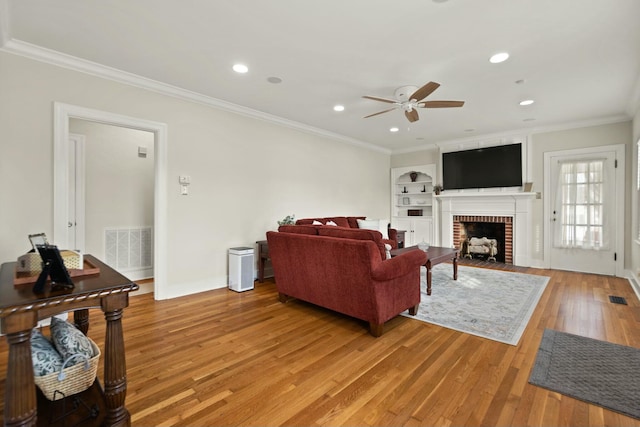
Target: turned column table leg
[
  {"x": 20, "y": 390},
  {"x": 115, "y": 370},
  {"x": 428, "y": 265},
  {"x": 455, "y": 267},
  {"x": 81, "y": 319}
]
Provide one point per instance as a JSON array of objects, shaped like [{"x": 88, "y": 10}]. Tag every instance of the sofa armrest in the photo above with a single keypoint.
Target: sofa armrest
[
  {"x": 399, "y": 265},
  {"x": 393, "y": 237}
]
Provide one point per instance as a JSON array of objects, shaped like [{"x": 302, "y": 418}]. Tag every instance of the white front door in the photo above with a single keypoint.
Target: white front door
[{"x": 585, "y": 209}]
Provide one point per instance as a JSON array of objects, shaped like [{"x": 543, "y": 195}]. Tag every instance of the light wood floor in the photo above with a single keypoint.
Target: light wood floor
[{"x": 223, "y": 358}]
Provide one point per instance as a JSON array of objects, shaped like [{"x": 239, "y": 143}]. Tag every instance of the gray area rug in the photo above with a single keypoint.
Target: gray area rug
[
  {"x": 488, "y": 303},
  {"x": 597, "y": 372}
]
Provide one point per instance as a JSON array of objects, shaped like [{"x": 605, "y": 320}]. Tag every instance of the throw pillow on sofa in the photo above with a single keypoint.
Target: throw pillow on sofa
[{"x": 375, "y": 224}]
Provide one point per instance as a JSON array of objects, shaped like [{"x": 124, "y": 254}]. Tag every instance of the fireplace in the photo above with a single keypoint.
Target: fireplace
[
  {"x": 511, "y": 210},
  {"x": 492, "y": 227}
]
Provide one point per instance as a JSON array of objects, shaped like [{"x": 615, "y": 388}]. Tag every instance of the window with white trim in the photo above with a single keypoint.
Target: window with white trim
[{"x": 581, "y": 205}]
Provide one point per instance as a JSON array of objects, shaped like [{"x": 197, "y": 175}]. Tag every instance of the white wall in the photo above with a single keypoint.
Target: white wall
[
  {"x": 119, "y": 184},
  {"x": 246, "y": 173},
  {"x": 416, "y": 158},
  {"x": 610, "y": 134}
]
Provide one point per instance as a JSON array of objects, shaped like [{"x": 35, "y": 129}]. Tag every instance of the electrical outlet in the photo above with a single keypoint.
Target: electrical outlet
[
  {"x": 184, "y": 190},
  {"x": 184, "y": 179}
]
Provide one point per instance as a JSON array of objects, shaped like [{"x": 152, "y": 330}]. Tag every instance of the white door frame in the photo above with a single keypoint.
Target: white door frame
[
  {"x": 79, "y": 202},
  {"x": 619, "y": 186},
  {"x": 61, "y": 115}
]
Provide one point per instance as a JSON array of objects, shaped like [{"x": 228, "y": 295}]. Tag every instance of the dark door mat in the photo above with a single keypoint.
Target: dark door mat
[{"x": 597, "y": 372}]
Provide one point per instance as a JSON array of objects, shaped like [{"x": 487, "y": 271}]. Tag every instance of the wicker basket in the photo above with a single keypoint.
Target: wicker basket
[{"x": 71, "y": 380}]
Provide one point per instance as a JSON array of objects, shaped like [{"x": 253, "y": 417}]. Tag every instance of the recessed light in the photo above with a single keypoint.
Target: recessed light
[
  {"x": 338, "y": 108},
  {"x": 394, "y": 129},
  {"x": 240, "y": 68},
  {"x": 520, "y": 81},
  {"x": 274, "y": 80},
  {"x": 499, "y": 57},
  {"x": 527, "y": 102}
]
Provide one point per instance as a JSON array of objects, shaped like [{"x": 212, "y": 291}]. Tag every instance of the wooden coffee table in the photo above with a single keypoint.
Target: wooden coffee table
[{"x": 435, "y": 255}]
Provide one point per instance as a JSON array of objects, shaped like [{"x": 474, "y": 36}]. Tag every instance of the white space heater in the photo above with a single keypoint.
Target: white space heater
[{"x": 241, "y": 269}]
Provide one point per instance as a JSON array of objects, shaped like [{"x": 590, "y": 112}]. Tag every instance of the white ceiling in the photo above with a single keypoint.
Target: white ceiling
[{"x": 579, "y": 59}]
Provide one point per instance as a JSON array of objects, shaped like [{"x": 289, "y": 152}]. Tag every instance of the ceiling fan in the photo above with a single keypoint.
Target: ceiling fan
[{"x": 410, "y": 98}]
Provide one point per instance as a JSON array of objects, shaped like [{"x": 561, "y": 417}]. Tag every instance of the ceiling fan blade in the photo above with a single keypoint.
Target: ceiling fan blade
[
  {"x": 375, "y": 98},
  {"x": 425, "y": 91},
  {"x": 380, "y": 112},
  {"x": 412, "y": 115},
  {"x": 441, "y": 104}
]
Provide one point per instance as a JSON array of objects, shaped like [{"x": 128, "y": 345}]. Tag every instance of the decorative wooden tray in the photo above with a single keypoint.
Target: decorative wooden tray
[{"x": 21, "y": 278}]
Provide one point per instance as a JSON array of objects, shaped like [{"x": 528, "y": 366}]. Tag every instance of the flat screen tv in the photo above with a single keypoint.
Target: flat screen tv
[{"x": 486, "y": 167}]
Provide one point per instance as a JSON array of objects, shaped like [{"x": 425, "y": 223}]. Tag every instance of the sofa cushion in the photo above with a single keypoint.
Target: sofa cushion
[
  {"x": 375, "y": 224},
  {"x": 299, "y": 229},
  {"x": 353, "y": 220},
  {"x": 340, "y": 221},
  {"x": 356, "y": 234}
]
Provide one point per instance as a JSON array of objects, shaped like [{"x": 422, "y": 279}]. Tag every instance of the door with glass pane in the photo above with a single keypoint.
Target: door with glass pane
[{"x": 583, "y": 204}]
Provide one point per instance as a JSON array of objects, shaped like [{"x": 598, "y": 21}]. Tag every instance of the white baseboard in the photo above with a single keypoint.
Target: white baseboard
[
  {"x": 634, "y": 282},
  {"x": 189, "y": 288}
]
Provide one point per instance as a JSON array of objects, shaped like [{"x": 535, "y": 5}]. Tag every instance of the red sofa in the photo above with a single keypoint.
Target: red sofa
[
  {"x": 351, "y": 222},
  {"x": 345, "y": 270}
]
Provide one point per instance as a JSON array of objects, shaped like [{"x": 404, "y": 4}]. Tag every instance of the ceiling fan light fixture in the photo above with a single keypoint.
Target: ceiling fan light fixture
[
  {"x": 338, "y": 108},
  {"x": 394, "y": 129},
  {"x": 240, "y": 68},
  {"x": 499, "y": 57},
  {"x": 527, "y": 102}
]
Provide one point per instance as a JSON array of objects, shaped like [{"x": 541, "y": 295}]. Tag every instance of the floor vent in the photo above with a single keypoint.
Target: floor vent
[{"x": 617, "y": 300}]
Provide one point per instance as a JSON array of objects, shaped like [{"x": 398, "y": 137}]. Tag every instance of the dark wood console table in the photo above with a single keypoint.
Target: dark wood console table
[{"x": 20, "y": 311}]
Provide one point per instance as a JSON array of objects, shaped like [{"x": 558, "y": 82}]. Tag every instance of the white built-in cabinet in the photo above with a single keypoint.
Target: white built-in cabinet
[{"x": 412, "y": 206}]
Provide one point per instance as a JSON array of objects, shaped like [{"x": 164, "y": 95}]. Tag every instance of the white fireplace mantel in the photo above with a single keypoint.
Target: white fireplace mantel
[{"x": 514, "y": 204}]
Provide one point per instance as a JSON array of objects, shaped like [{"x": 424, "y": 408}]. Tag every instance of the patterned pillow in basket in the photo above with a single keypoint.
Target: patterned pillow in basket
[
  {"x": 46, "y": 359},
  {"x": 69, "y": 340}
]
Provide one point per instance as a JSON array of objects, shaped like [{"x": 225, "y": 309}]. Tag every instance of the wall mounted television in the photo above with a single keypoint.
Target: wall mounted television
[{"x": 487, "y": 167}]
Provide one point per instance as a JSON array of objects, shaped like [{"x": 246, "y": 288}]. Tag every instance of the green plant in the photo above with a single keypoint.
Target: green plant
[
  {"x": 288, "y": 220},
  {"x": 437, "y": 188}
]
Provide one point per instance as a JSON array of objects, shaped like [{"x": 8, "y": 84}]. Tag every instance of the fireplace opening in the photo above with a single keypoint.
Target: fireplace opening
[
  {"x": 483, "y": 240},
  {"x": 484, "y": 237}
]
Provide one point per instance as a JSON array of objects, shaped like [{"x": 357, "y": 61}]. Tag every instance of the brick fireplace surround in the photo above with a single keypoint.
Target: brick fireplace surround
[
  {"x": 459, "y": 235},
  {"x": 512, "y": 208}
]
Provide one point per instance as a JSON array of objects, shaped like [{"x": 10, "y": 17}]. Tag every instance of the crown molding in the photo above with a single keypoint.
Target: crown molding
[
  {"x": 518, "y": 133},
  {"x": 63, "y": 60}
]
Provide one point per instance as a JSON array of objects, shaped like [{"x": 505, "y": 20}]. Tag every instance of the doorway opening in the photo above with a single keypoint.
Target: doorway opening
[{"x": 62, "y": 115}]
